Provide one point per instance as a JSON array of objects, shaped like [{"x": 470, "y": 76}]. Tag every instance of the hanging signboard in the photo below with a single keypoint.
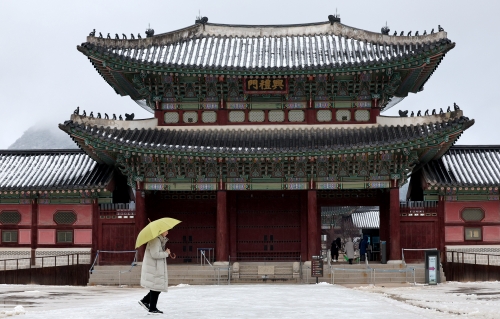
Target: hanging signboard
[{"x": 265, "y": 86}]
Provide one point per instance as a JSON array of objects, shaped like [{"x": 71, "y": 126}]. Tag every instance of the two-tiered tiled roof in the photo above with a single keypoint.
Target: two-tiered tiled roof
[
  {"x": 51, "y": 170},
  {"x": 465, "y": 166}
]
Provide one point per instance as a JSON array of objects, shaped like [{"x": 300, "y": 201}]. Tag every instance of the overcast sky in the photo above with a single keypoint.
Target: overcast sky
[{"x": 43, "y": 78}]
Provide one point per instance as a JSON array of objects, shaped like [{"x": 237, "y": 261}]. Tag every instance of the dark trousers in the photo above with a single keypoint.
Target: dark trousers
[
  {"x": 152, "y": 299},
  {"x": 335, "y": 255}
]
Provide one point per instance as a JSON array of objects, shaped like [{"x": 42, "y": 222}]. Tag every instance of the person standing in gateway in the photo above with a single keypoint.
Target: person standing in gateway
[
  {"x": 154, "y": 274},
  {"x": 349, "y": 249}
]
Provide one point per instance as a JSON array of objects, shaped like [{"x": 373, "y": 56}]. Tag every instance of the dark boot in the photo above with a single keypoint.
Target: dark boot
[
  {"x": 153, "y": 300},
  {"x": 144, "y": 302}
]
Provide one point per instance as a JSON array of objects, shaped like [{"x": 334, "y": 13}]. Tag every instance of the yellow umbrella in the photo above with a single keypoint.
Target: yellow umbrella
[{"x": 155, "y": 228}]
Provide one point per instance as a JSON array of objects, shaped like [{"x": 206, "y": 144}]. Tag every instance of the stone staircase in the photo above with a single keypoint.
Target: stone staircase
[
  {"x": 344, "y": 274},
  {"x": 264, "y": 273}
]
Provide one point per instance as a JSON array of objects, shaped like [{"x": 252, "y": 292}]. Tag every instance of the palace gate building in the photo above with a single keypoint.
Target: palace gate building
[{"x": 255, "y": 129}]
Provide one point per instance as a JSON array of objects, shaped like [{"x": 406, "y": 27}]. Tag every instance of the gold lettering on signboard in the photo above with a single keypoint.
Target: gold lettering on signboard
[
  {"x": 252, "y": 84},
  {"x": 278, "y": 84},
  {"x": 265, "y": 85}
]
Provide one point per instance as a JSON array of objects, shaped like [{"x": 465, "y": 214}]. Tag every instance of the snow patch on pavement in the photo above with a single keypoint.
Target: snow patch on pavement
[{"x": 18, "y": 310}]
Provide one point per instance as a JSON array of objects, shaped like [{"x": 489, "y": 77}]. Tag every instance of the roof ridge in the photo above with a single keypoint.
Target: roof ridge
[
  {"x": 260, "y": 31},
  {"x": 42, "y": 151}
]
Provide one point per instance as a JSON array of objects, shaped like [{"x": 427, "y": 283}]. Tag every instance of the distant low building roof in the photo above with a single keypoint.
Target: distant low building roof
[
  {"x": 51, "y": 170},
  {"x": 465, "y": 166},
  {"x": 367, "y": 219}
]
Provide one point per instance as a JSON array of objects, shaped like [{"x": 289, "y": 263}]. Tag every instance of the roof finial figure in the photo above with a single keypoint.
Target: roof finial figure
[
  {"x": 91, "y": 115},
  {"x": 441, "y": 110},
  {"x": 455, "y": 106},
  {"x": 124, "y": 36},
  {"x": 448, "y": 110},
  {"x": 425, "y": 32},
  {"x": 416, "y": 34},
  {"x": 409, "y": 34},
  {"x": 106, "y": 117},
  {"x": 84, "y": 113},
  {"x": 120, "y": 118},
  {"x": 333, "y": 18},
  {"x": 426, "y": 112},
  {"x": 98, "y": 115},
  {"x": 92, "y": 34},
  {"x": 433, "y": 111},
  {"x": 129, "y": 117},
  {"x": 403, "y": 113},
  {"x": 395, "y": 33},
  {"x": 412, "y": 114},
  {"x": 108, "y": 36},
  {"x": 402, "y": 33},
  {"x": 385, "y": 30},
  {"x": 132, "y": 36},
  {"x": 432, "y": 31},
  {"x": 139, "y": 36},
  {"x": 149, "y": 32},
  {"x": 117, "y": 37},
  {"x": 77, "y": 111},
  {"x": 100, "y": 35},
  {"x": 440, "y": 28},
  {"x": 419, "y": 113},
  {"x": 114, "y": 116}
]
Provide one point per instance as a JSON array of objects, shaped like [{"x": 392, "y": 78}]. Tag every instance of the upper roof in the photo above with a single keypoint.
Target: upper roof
[
  {"x": 465, "y": 165},
  {"x": 272, "y": 47},
  {"x": 51, "y": 170}
]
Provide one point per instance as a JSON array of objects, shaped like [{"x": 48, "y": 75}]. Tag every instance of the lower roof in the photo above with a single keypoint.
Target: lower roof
[
  {"x": 465, "y": 165},
  {"x": 35, "y": 170},
  {"x": 261, "y": 142}
]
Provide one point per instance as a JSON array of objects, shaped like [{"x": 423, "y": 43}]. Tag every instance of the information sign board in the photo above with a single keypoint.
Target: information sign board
[{"x": 317, "y": 266}]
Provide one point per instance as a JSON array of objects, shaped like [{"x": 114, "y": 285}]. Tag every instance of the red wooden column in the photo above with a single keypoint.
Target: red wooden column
[
  {"x": 395, "y": 225},
  {"x": 222, "y": 236},
  {"x": 313, "y": 239},
  {"x": 95, "y": 227},
  {"x": 34, "y": 229},
  {"x": 440, "y": 227},
  {"x": 233, "y": 226},
  {"x": 140, "y": 215},
  {"x": 303, "y": 225},
  {"x": 384, "y": 219}
]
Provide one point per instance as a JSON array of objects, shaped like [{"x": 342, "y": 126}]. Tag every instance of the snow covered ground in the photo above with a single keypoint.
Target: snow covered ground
[{"x": 450, "y": 300}]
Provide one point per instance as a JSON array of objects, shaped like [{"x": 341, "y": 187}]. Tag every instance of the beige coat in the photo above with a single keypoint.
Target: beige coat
[
  {"x": 349, "y": 249},
  {"x": 154, "y": 275}
]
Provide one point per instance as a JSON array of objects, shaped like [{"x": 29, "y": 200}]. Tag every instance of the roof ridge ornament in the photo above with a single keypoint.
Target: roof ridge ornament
[
  {"x": 150, "y": 32},
  {"x": 385, "y": 30},
  {"x": 334, "y": 17}
]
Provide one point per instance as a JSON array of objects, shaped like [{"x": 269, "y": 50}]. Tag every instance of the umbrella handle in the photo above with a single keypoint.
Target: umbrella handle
[{"x": 173, "y": 255}]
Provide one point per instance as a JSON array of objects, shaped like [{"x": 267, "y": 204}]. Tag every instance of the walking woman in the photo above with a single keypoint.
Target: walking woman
[{"x": 154, "y": 274}]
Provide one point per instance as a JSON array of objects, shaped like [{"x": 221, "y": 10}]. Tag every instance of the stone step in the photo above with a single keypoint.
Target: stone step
[{"x": 248, "y": 273}]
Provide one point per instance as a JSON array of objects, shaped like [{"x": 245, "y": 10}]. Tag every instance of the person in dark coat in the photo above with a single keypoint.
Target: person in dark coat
[
  {"x": 335, "y": 249},
  {"x": 362, "y": 247}
]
